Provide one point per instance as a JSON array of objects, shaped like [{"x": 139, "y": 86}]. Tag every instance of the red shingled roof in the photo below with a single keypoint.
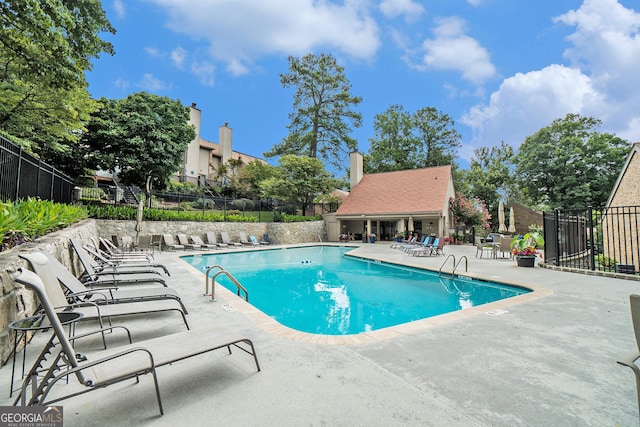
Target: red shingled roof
[{"x": 408, "y": 191}]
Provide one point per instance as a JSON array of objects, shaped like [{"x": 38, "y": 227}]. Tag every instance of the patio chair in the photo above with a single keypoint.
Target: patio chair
[
  {"x": 426, "y": 242},
  {"x": 156, "y": 242},
  {"x": 50, "y": 276},
  {"x": 144, "y": 244},
  {"x": 482, "y": 247},
  {"x": 427, "y": 250},
  {"x": 410, "y": 241},
  {"x": 226, "y": 239},
  {"x": 253, "y": 239},
  {"x": 265, "y": 239},
  {"x": 212, "y": 240},
  {"x": 109, "y": 250},
  {"x": 505, "y": 246},
  {"x": 184, "y": 241},
  {"x": 438, "y": 248},
  {"x": 630, "y": 358},
  {"x": 170, "y": 243},
  {"x": 109, "y": 295},
  {"x": 102, "y": 265},
  {"x": 245, "y": 241},
  {"x": 94, "y": 278},
  {"x": 124, "y": 263},
  {"x": 198, "y": 241},
  {"x": 59, "y": 360}
]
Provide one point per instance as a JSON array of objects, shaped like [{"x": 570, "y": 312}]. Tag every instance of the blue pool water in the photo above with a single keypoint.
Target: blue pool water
[{"x": 320, "y": 290}]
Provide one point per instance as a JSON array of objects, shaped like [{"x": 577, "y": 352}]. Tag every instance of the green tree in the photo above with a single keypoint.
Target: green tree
[
  {"x": 394, "y": 145},
  {"x": 143, "y": 136},
  {"x": 229, "y": 174},
  {"x": 469, "y": 212},
  {"x": 45, "y": 49},
  {"x": 253, "y": 174},
  {"x": 438, "y": 137},
  {"x": 322, "y": 116},
  {"x": 300, "y": 179},
  {"x": 490, "y": 176},
  {"x": 569, "y": 165},
  {"x": 404, "y": 140}
]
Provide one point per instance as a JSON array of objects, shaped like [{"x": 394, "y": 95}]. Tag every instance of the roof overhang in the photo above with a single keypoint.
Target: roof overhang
[{"x": 390, "y": 215}]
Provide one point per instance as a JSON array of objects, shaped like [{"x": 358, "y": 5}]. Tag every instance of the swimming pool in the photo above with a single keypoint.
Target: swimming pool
[{"x": 321, "y": 290}]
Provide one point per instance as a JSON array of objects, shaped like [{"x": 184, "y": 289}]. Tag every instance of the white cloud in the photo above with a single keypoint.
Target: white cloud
[
  {"x": 452, "y": 49},
  {"x": 121, "y": 83},
  {"x": 394, "y": 8},
  {"x": 178, "y": 56},
  {"x": 118, "y": 6},
  {"x": 205, "y": 72},
  {"x": 153, "y": 52},
  {"x": 526, "y": 102},
  {"x": 602, "y": 81},
  {"x": 241, "y": 31},
  {"x": 474, "y": 2},
  {"x": 151, "y": 83}
]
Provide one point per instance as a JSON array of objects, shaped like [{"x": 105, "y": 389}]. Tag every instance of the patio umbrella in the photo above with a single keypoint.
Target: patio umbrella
[
  {"x": 502, "y": 228},
  {"x": 410, "y": 225},
  {"x": 512, "y": 221}
]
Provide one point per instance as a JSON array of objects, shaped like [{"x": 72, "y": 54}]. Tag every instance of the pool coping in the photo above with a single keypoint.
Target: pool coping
[{"x": 271, "y": 325}]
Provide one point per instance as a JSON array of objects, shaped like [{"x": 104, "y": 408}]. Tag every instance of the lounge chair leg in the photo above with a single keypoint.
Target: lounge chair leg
[{"x": 155, "y": 381}]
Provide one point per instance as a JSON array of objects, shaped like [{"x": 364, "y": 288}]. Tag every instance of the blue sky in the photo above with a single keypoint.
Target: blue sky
[{"x": 502, "y": 69}]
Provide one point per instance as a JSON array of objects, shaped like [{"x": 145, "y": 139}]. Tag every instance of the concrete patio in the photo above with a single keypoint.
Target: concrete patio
[{"x": 546, "y": 360}]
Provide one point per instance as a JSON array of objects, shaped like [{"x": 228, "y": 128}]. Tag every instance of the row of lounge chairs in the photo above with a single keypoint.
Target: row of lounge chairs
[
  {"x": 193, "y": 242},
  {"x": 112, "y": 284},
  {"x": 429, "y": 245}
]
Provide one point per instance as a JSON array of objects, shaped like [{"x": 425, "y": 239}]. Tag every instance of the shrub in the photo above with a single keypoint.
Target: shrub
[
  {"x": 243, "y": 204},
  {"x": 204, "y": 203},
  {"x": 299, "y": 218},
  {"x": 605, "y": 262},
  {"x": 27, "y": 219}
]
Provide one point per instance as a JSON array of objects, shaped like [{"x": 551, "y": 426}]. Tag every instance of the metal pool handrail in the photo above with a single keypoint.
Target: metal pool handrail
[
  {"x": 213, "y": 282},
  {"x": 466, "y": 264},
  {"x": 445, "y": 261}
]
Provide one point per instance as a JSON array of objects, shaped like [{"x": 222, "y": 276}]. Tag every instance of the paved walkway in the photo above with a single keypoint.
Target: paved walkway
[{"x": 548, "y": 360}]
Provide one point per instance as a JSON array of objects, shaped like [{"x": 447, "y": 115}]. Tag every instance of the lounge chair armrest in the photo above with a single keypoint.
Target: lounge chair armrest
[
  {"x": 89, "y": 382},
  {"x": 78, "y": 296},
  {"x": 101, "y": 330}
]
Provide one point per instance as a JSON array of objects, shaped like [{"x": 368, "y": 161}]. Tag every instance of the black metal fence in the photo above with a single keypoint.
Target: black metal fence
[
  {"x": 206, "y": 202},
  {"x": 22, "y": 176},
  {"x": 606, "y": 239}
]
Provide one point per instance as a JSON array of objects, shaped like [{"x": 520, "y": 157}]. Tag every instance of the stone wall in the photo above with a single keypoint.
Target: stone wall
[
  {"x": 280, "y": 233},
  {"x": 16, "y": 302}
]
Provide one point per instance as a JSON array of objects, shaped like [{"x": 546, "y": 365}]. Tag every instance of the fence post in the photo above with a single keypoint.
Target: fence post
[
  {"x": 592, "y": 257},
  {"x": 556, "y": 230}
]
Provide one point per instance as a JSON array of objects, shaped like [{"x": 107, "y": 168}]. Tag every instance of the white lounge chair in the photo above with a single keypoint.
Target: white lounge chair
[
  {"x": 245, "y": 241},
  {"x": 212, "y": 240},
  {"x": 170, "y": 243},
  {"x": 198, "y": 241},
  {"x": 227, "y": 240},
  {"x": 184, "y": 241},
  {"x": 50, "y": 276},
  {"x": 60, "y": 361}
]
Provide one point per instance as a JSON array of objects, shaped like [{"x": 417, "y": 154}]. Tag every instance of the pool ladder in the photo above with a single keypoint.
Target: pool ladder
[
  {"x": 213, "y": 282},
  {"x": 455, "y": 265}
]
